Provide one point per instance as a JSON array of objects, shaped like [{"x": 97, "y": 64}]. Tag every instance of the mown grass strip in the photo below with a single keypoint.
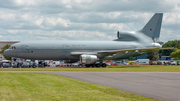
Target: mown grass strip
[
  {"x": 141, "y": 68},
  {"x": 46, "y": 87}
]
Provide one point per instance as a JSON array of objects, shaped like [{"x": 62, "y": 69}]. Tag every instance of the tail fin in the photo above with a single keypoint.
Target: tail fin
[{"x": 153, "y": 27}]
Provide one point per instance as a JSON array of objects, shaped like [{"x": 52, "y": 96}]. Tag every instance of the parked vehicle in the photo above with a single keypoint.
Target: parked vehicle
[
  {"x": 57, "y": 63},
  {"x": 52, "y": 64},
  {"x": 81, "y": 65},
  {"x": 68, "y": 64},
  {"x": 75, "y": 64},
  {"x": 25, "y": 65},
  {"x": 32, "y": 64},
  {"x": 142, "y": 61},
  {"x": 42, "y": 64},
  {"x": 165, "y": 57},
  {"x": 178, "y": 62},
  {"x": 14, "y": 64},
  {"x": 62, "y": 65},
  {"x": 118, "y": 63},
  {"x": 173, "y": 62},
  {"x": 108, "y": 63},
  {"x": 125, "y": 63},
  {"x": 6, "y": 63},
  {"x": 0, "y": 64}
]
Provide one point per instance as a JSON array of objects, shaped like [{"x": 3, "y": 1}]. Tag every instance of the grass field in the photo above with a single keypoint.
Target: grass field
[
  {"x": 46, "y": 87},
  {"x": 150, "y": 68}
]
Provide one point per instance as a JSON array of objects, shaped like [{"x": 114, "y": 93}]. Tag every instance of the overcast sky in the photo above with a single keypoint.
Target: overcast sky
[{"x": 22, "y": 20}]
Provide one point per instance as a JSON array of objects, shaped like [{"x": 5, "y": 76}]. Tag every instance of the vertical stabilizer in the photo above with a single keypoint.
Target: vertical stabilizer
[{"x": 153, "y": 27}]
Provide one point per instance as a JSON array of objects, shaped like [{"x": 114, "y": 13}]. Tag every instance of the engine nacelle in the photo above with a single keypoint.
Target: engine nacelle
[
  {"x": 118, "y": 35},
  {"x": 126, "y": 35},
  {"x": 88, "y": 59}
]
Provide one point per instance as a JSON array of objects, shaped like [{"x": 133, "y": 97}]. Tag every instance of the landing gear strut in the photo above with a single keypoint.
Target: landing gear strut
[
  {"x": 33, "y": 65},
  {"x": 87, "y": 65},
  {"x": 97, "y": 65},
  {"x": 104, "y": 65}
]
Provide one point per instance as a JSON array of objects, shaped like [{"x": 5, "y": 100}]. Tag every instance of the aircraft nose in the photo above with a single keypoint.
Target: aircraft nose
[{"x": 7, "y": 52}]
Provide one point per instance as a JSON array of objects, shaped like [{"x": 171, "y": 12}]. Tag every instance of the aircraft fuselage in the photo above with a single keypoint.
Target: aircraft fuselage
[{"x": 61, "y": 50}]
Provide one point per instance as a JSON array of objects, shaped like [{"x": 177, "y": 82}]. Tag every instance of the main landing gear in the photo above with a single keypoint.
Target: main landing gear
[{"x": 96, "y": 65}]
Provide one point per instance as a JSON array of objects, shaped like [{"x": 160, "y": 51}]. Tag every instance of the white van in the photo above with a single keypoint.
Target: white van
[{"x": 142, "y": 61}]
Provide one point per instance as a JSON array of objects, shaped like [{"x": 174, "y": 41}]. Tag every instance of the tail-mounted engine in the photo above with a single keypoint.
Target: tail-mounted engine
[
  {"x": 88, "y": 59},
  {"x": 126, "y": 35},
  {"x": 118, "y": 35}
]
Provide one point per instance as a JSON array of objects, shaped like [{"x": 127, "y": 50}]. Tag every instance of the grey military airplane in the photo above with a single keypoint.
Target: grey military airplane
[{"x": 92, "y": 53}]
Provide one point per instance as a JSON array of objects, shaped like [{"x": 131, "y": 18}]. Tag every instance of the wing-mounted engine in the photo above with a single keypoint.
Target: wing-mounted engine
[{"x": 88, "y": 59}]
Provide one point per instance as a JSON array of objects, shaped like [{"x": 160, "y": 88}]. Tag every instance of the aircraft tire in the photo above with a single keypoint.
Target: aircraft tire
[
  {"x": 98, "y": 65},
  {"x": 87, "y": 65},
  {"x": 34, "y": 66},
  {"x": 93, "y": 65},
  {"x": 104, "y": 65}
]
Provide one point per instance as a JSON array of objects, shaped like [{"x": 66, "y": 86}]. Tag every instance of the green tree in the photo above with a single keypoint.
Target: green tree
[
  {"x": 176, "y": 54},
  {"x": 2, "y": 52},
  {"x": 153, "y": 55},
  {"x": 167, "y": 52}
]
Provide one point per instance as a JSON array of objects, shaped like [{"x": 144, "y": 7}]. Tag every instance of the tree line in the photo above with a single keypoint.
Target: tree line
[
  {"x": 2, "y": 51},
  {"x": 174, "y": 53}
]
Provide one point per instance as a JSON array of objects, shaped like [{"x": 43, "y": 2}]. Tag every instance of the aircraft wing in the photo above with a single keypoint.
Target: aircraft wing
[
  {"x": 135, "y": 50},
  {"x": 109, "y": 52},
  {"x": 167, "y": 48},
  {"x": 129, "y": 50},
  {"x": 80, "y": 53}
]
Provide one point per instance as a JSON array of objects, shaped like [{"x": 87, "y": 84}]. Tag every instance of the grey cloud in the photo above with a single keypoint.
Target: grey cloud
[
  {"x": 8, "y": 4},
  {"x": 56, "y": 6},
  {"x": 167, "y": 34},
  {"x": 3, "y": 32},
  {"x": 94, "y": 17},
  {"x": 175, "y": 26},
  {"x": 58, "y": 35},
  {"x": 126, "y": 5},
  {"x": 5, "y": 35},
  {"x": 78, "y": 19}
]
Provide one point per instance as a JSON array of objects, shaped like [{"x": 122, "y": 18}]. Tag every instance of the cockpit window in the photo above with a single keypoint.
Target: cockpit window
[{"x": 12, "y": 47}]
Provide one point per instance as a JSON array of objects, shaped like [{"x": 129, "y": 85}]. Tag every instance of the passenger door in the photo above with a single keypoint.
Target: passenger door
[{"x": 24, "y": 48}]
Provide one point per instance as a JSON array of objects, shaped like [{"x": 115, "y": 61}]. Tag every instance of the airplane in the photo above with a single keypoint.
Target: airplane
[{"x": 92, "y": 53}]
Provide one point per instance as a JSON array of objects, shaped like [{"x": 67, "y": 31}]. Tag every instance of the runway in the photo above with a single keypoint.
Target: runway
[
  {"x": 157, "y": 85},
  {"x": 161, "y": 86}
]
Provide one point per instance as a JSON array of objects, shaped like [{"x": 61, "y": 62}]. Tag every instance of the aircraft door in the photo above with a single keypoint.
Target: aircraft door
[
  {"x": 24, "y": 48},
  {"x": 65, "y": 48}
]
